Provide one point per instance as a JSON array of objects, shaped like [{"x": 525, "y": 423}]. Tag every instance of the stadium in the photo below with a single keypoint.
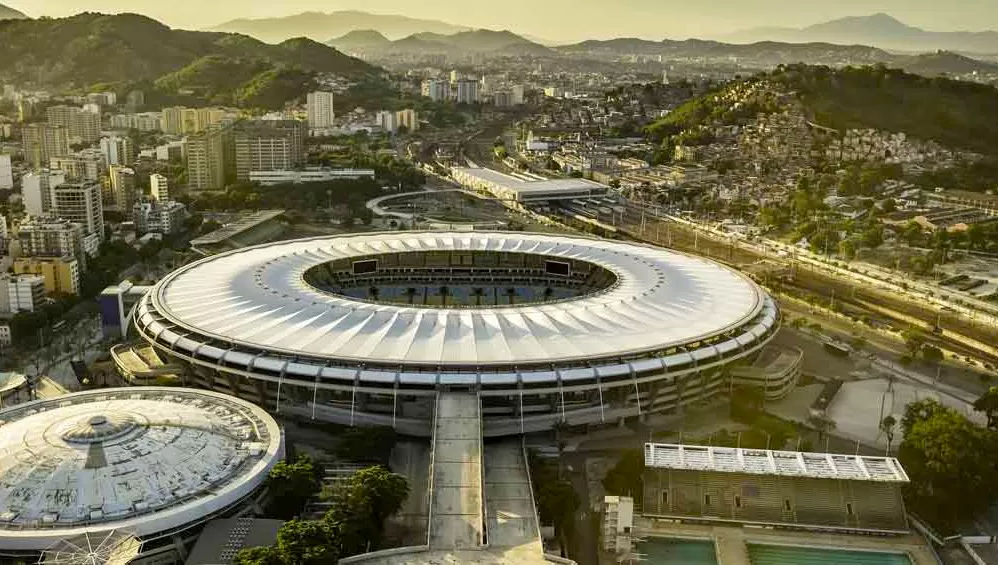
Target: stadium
[
  {"x": 148, "y": 465},
  {"x": 366, "y": 329}
]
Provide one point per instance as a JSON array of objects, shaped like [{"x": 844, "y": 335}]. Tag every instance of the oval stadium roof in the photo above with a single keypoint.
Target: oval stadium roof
[{"x": 257, "y": 297}]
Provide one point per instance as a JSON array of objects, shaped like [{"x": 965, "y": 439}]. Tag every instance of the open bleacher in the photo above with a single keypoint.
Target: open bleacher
[{"x": 820, "y": 491}]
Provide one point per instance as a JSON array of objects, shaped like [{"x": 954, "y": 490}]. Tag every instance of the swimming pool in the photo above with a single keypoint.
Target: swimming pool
[
  {"x": 784, "y": 555},
  {"x": 674, "y": 551}
]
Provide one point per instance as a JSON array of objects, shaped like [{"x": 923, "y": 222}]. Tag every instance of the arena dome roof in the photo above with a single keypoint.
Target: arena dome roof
[
  {"x": 258, "y": 298},
  {"x": 140, "y": 460}
]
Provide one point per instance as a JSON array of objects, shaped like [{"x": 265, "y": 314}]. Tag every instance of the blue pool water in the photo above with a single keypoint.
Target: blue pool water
[
  {"x": 671, "y": 551},
  {"x": 780, "y": 555}
]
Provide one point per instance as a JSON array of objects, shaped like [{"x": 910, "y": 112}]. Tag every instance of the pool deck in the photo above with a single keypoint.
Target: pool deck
[{"x": 731, "y": 542}]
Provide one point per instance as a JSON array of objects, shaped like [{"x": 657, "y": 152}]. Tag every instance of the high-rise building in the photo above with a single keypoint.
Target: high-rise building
[
  {"x": 61, "y": 274},
  {"x": 85, "y": 165},
  {"x": 81, "y": 203},
  {"x": 408, "y": 118},
  {"x": 455, "y": 75},
  {"x": 122, "y": 185},
  {"x": 117, "y": 150},
  {"x": 6, "y": 173},
  {"x": 44, "y": 141},
  {"x": 467, "y": 91},
  {"x": 516, "y": 94},
  {"x": 436, "y": 90},
  {"x": 387, "y": 120},
  {"x": 206, "y": 160},
  {"x": 268, "y": 145},
  {"x": 159, "y": 187},
  {"x": 25, "y": 293},
  {"x": 173, "y": 120},
  {"x": 50, "y": 237},
  {"x": 82, "y": 124},
  {"x": 320, "y": 110},
  {"x": 36, "y": 190}
]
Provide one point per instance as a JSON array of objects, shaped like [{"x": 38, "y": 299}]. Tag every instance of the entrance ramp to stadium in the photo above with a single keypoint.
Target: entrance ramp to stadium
[
  {"x": 511, "y": 519},
  {"x": 456, "y": 515}
]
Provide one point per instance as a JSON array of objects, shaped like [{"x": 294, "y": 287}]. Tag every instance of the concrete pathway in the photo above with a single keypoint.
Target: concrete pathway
[{"x": 456, "y": 519}]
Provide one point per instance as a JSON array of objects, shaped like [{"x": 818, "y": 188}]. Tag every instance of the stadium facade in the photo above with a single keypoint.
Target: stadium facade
[
  {"x": 152, "y": 464},
  {"x": 545, "y": 329}
]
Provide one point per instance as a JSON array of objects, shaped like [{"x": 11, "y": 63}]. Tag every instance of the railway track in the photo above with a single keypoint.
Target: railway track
[{"x": 945, "y": 329}]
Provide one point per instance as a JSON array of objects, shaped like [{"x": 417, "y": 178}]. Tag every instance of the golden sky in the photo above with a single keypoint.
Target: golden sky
[{"x": 559, "y": 19}]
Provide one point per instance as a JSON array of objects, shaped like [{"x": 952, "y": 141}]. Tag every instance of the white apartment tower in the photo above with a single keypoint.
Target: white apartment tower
[
  {"x": 25, "y": 293},
  {"x": 387, "y": 120},
  {"x": 320, "y": 110},
  {"x": 159, "y": 187},
  {"x": 36, "y": 190},
  {"x": 117, "y": 150},
  {"x": 6, "y": 173}
]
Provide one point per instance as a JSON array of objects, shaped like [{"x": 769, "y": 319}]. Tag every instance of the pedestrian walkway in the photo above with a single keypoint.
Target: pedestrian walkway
[
  {"x": 509, "y": 504},
  {"x": 456, "y": 520}
]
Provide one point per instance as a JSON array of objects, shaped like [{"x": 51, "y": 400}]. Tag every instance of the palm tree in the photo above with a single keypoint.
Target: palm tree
[
  {"x": 548, "y": 292},
  {"x": 511, "y": 294},
  {"x": 444, "y": 292},
  {"x": 887, "y": 425},
  {"x": 410, "y": 293},
  {"x": 372, "y": 292},
  {"x": 478, "y": 293}
]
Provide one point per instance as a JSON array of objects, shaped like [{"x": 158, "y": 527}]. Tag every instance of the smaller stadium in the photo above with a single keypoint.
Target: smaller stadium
[
  {"x": 138, "y": 469},
  {"x": 787, "y": 489}
]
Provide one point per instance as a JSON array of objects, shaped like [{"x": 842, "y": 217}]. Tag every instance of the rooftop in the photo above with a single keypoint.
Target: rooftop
[
  {"x": 143, "y": 460},
  {"x": 235, "y": 228},
  {"x": 258, "y": 297},
  {"x": 769, "y": 462}
]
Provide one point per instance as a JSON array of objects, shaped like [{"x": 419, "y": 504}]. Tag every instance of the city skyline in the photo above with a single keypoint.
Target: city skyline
[{"x": 560, "y": 20}]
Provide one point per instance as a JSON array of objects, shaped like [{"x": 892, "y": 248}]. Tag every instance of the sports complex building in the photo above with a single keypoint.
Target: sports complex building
[
  {"x": 368, "y": 328},
  {"x": 142, "y": 467}
]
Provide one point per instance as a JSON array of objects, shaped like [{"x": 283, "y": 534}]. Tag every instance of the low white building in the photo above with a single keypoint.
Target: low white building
[
  {"x": 25, "y": 293},
  {"x": 160, "y": 217},
  {"x": 268, "y": 178}
]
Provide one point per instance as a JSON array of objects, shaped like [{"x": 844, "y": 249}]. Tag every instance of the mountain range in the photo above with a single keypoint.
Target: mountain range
[
  {"x": 321, "y": 26},
  {"x": 496, "y": 43},
  {"x": 11, "y": 14},
  {"x": 119, "y": 50},
  {"x": 879, "y": 30}
]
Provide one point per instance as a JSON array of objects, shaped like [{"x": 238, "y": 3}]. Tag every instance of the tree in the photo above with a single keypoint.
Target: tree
[
  {"x": 950, "y": 461},
  {"x": 444, "y": 293},
  {"x": 888, "y": 425},
  {"x": 290, "y": 485},
  {"x": 625, "y": 478},
  {"x": 932, "y": 354},
  {"x": 988, "y": 403},
  {"x": 360, "y": 505},
  {"x": 265, "y": 555},
  {"x": 410, "y": 293},
  {"x": 914, "y": 339},
  {"x": 307, "y": 542}
]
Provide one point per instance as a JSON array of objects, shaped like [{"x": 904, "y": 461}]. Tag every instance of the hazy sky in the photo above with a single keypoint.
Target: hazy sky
[{"x": 559, "y": 19}]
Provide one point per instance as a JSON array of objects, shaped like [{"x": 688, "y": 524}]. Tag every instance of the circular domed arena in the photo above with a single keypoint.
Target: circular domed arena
[
  {"x": 546, "y": 329},
  {"x": 150, "y": 464}
]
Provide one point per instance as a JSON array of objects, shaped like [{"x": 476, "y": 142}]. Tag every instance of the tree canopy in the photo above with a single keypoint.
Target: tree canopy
[
  {"x": 952, "y": 463},
  {"x": 290, "y": 485}
]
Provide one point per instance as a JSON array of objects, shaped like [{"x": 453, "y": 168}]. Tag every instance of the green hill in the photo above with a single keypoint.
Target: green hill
[
  {"x": 120, "y": 50},
  {"x": 954, "y": 113}
]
